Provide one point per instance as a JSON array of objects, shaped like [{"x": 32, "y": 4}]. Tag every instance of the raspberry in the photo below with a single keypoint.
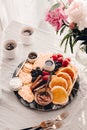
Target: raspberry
[
  {"x": 54, "y": 57},
  {"x": 68, "y": 59},
  {"x": 60, "y": 59},
  {"x": 45, "y": 78},
  {"x": 65, "y": 63},
  {"x": 45, "y": 73},
  {"x": 59, "y": 55}
]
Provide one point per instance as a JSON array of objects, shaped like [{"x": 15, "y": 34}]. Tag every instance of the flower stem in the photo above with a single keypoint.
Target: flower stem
[{"x": 63, "y": 3}]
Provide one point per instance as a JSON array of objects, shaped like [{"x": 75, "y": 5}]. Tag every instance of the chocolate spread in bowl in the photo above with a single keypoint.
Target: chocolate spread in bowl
[
  {"x": 28, "y": 32},
  {"x": 43, "y": 98},
  {"x": 32, "y": 55}
]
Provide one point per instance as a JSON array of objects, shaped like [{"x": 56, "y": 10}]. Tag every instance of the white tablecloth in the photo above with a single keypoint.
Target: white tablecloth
[{"x": 13, "y": 115}]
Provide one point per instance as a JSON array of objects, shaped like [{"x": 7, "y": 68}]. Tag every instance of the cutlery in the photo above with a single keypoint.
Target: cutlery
[
  {"x": 50, "y": 124},
  {"x": 55, "y": 126}
]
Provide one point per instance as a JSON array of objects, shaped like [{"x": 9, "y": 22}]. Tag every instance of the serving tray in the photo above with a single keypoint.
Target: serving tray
[{"x": 51, "y": 106}]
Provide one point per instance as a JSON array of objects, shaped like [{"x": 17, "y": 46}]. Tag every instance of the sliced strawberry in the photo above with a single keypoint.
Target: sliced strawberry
[
  {"x": 65, "y": 63},
  {"x": 45, "y": 73},
  {"x": 54, "y": 57},
  {"x": 59, "y": 55},
  {"x": 60, "y": 59},
  {"x": 45, "y": 78}
]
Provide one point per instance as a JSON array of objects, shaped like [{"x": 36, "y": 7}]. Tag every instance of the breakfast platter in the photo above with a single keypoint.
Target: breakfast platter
[{"x": 45, "y": 81}]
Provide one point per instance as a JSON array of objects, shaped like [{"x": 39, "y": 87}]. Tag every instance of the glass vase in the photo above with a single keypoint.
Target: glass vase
[{"x": 81, "y": 55}]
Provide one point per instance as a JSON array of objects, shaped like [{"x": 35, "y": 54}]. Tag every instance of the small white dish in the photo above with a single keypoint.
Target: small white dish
[
  {"x": 49, "y": 65},
  {"x": 9, "y": 48},
  {"x": 27, "y": 35},
  {"x": 15, "y": 84}
]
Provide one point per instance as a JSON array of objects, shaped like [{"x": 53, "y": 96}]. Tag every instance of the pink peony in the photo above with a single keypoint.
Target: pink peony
[
  {"x": 72, "y": 26},
  {"x": 56, "y": 17}
]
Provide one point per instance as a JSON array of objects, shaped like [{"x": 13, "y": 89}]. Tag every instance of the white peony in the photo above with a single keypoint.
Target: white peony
[{"x": 77, "y": 13}]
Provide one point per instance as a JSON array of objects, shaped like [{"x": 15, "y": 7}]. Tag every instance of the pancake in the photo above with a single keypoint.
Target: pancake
[
  {"x": 67, "y": 78},
  {"x": 59, "y": 81},
  {"x": 59, "y": 95},
  {"x": 67, "y": 70}
]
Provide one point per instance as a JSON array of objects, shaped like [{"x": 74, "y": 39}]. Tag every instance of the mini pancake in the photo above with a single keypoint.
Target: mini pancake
[
  {"x": 68, "y": 70},
  {"x": 59, "y": 95},
  {"x": 59, "y": 81},
  {"x": 26, "y": 93},
  {"x": 67, "y": 78},
  {"x": 54, "y": 76}
]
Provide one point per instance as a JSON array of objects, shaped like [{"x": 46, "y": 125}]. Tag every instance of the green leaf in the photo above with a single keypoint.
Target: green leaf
[
  {"x": 67, "y": 36},
  {"x": 55, "y": 6},
  {"x": 71, "y": 44},
  {"x": 66, "y": 45},
  {"x": 74, "y": 42},
  {"x": 62, "y": 30}
]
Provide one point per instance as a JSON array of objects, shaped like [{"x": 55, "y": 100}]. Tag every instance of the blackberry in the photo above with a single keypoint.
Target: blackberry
[
  {"x": 36, "y": 72},
  {"x": 57, "y": 65},
  {"x": 33, "y": 79}
]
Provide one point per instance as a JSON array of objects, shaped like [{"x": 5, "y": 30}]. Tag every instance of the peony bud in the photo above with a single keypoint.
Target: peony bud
[{"x": 72, "y": 26}]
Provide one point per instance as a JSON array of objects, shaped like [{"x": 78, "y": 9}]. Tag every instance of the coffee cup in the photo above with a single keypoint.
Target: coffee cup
[
  {"x": 9, "y": 49},
  {"x": 27, "y": 35}
]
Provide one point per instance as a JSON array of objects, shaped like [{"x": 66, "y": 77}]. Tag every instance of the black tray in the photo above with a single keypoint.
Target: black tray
[{"x": 51, "y": 106}]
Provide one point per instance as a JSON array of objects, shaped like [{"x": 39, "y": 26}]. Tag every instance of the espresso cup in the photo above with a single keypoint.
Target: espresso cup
[
  {"x": 9, "y": 49},
  {"x": 27, "y": 35}
]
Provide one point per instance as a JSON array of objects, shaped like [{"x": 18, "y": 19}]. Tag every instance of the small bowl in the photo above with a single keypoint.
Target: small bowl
[
  {"x": 32, "y": 56},
  {"x": 43, "y": 95},
  {"x": 49, "y": 65},
  {"x": 15, "y": 84}
]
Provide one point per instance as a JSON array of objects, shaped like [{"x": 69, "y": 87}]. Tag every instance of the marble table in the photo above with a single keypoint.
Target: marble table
[{"x": 15, "y": 116}]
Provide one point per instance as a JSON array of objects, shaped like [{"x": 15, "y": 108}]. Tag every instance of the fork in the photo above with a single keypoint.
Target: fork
[
  {"x": 50, "y": 123},
  {"x": 55, "y": 126}
]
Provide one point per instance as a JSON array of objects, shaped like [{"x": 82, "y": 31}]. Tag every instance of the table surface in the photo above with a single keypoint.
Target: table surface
[{"x": 13, "y": 115}]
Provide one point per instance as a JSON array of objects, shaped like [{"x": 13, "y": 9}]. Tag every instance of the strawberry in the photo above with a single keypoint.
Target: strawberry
[
  {"x": 65, "y": 63},
  {"x": 60, "y": 59},
  {"x": 68, "y": 59},
  {"x": 59, "y": 55},
  {"x": 45, "y": 73},
  {"x": 45, "y": 78},
  {"x": 54, "y": 57}
]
